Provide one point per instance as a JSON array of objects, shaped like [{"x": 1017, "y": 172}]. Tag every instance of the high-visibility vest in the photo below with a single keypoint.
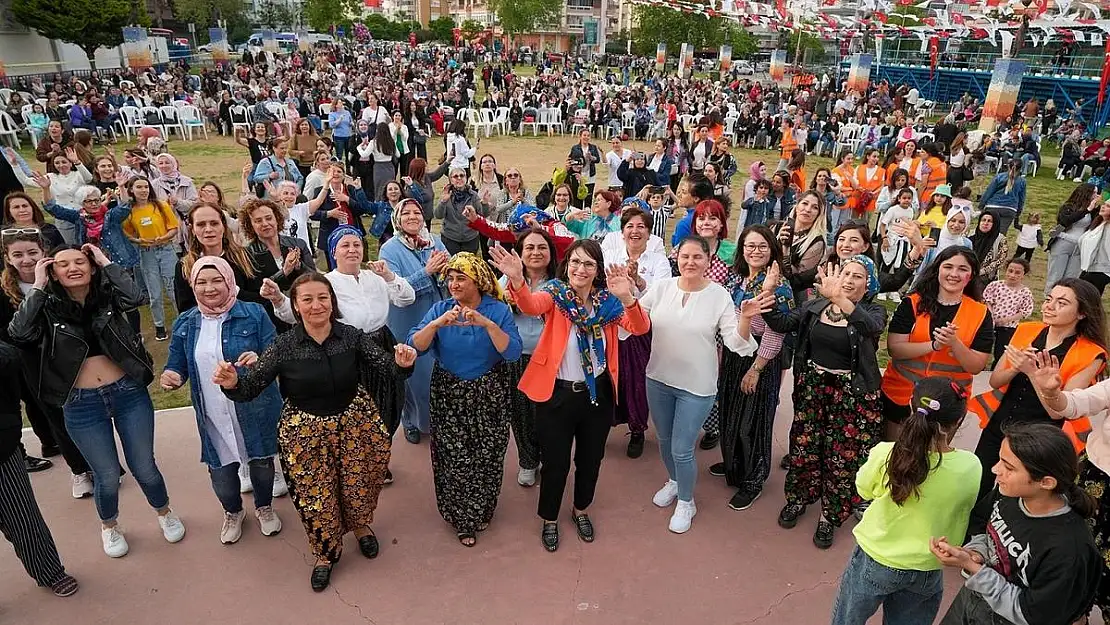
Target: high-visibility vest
[
  {"x": 938, "y": 175},
  {"x": 1081, "y": 354},
  {"x": 788, "y": 145},
  {"x": 901, "y": 375}
]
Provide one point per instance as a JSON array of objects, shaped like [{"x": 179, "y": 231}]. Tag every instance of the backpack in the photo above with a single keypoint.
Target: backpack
[{"x": 543, "y": 198}]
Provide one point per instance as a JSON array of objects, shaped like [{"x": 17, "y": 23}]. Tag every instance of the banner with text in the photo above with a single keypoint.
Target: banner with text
[
  {"x": 686, "y": 61},
  {"x": 136, "y": 47},
  {"x": 1002, "y": 94}
]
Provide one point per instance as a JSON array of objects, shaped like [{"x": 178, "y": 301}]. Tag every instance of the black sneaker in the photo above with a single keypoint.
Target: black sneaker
[
  {"x": 412, "y": 435},
  {"x": 34, "y": 465},
  {"x": 860, "y": 509},
  {"x": 744, "y": 498},
  {"x": 823, "y": 537},
  {"x": 717, "y": 469},
  {"x": 710, "y": 440},
  {"x": 636, "y": 445},
  {"x": 160, "y": 334},
  {"x": 784, "y": 464},
  {"x": 788, "y": 518},
  {"x": 388, "y": 477}
]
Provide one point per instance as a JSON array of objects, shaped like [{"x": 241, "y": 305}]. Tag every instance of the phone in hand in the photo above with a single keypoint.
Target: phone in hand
[{"x": 934, "y": 234}]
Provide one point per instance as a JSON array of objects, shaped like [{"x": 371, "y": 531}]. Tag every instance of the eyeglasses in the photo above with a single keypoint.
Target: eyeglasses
[
  {"x": 582, "y": 264},
  {"x": 14, "y": 232},
  {"x": 756, "y": 247},
  {"x": 91, "y": 200},
  {"x": 458, "y": 175},
  {"x": 512, "y": 175}
]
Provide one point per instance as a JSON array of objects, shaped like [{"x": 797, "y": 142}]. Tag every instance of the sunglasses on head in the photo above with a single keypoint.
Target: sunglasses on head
[{"x": 15, "y": 232}]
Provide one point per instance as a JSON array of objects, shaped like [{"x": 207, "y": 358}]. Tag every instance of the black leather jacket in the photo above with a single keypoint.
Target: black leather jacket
[
  {"x": 865, "y": 326},
  {"x": 47, "y": 327}
]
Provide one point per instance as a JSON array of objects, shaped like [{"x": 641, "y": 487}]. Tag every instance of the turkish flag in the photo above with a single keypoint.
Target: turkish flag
[
  {"x": 1105, "y": 75},
  {"x": 934, "y": 50}
]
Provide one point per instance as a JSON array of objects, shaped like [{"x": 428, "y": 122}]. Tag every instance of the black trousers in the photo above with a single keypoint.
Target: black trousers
[
  {"x": 23, "y": 526},
  {"x": 454, "y": 247},
  {"x": 568, "y": 419},
  {"x": 1024, "y": 252},
  {"x": 1002, "y": 336},
  {"x": 1097, "y": 279}
]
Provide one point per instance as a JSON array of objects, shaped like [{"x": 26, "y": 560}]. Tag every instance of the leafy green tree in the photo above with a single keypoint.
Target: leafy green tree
[
  {"x": 320, "y": 15},
  {"x": 88, "y": 24},
  {"x": 470, "y": 29},
  {"x": 525, "y": 16},
  {"x": 673, "y": 27},
  {"x": 208, "y": 12},
  {"x": 442, "y": 29},
  {"x": 277, "y": 14},
  {"x": 808, "y": 44}
]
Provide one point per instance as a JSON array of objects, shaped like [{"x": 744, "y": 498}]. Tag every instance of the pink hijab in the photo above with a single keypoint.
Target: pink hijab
[
  {"x": 224, "y": 269},
  {"x": 754, "y": 170}
]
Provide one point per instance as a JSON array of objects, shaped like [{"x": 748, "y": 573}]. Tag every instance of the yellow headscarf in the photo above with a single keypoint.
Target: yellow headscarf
[{"x": 476, "y": 268}]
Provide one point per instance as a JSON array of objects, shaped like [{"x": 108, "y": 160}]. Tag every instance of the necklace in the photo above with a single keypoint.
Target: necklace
[{"x": 834, "y": 314}]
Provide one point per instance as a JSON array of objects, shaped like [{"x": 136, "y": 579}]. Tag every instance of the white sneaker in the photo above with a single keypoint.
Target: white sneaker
[
  {"x": 82, "y": 485},
  {"x": 526, "y": 477},
  {"x": 665, "y": 496},
  {"x": 232, "y": 530},
  {"x": 683, "y": 514},
  {"x": 281, "y": 489},
  {"x": 115, "y": 545},
  {"x": 172, "y": 528},
  {"x": 268, "y": 520},
  {"x": 245, "y": 485},
  {"x": 1077, "y": 180}
]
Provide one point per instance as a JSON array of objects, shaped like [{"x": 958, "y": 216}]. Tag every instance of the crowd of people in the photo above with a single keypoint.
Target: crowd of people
[{"x": 629, "y": 289}]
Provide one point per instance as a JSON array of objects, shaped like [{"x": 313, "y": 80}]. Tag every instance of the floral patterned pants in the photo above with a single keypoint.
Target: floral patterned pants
[
  {"x": 1097, "y": 484},
  {"x": 834, "y": 429}
]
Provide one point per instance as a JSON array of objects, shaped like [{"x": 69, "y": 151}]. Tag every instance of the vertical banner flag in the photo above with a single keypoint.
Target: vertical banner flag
[
  {"x": 777, "y": 68},
  {"x": 1105, "y": 81},
  {"x": 934, "y": 53},
  {"x": 589, "y": 32},
  {"x": 683, "y": 50},
  {"x": 859, "y": 76},
  {"x": 688, "y": 61},
  {"x": 879, "y": 40},
  {"x": 304, "y": 44},
  {"x": 660, "y": 56},
  {"x": 1002, "y": 93},
  {"x": 217, "y": 40},
  {"x": 269, "y": 40},
  {"x": 3, "y": 73},
  {"x": 136, "y": 47},
  {"x": 725, "y": 59}
]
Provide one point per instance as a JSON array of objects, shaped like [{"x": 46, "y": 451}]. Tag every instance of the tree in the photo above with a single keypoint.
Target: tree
[
  {"x": 442, "y": 29},
  {"x": 674, "y": 28},
  {"x": 526, "y": 16},
  {"x": 88, "y": 24},
  {"x": 808, "y": 44},
  {"x": 321, "y": 15},
  {"x": 208, "y": 11},
  {"x": 470, "y": 29},
  {"x": 277, "y": 14}
]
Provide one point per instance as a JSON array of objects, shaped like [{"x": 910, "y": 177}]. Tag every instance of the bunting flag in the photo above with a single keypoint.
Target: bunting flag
[
  {"x": 934, "y": 52},
  {"x": 1002, "y": 93}
]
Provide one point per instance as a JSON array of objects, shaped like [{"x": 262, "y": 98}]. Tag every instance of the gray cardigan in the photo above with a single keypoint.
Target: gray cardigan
[{"x": 455, "y": 226}]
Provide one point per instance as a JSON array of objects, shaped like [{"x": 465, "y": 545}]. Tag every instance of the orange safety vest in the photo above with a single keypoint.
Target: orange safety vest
[
  {"x": 938, "y": 175},
  {"x": 902, "y": 374},
  {"x": 788, "y": 145},
  {"x": 868, "y": 187},
  {"x": 1082, "y": 353},
  {"x": 846, "y": 187}
]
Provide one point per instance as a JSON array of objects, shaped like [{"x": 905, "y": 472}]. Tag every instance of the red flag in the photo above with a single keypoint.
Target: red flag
[
  {"x": 1105, "y": 75},
  {"x": 934, "y": 49}
]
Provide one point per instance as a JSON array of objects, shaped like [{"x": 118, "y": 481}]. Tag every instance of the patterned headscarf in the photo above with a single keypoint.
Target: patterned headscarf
[
  {"x": 479, "y": 271},
  {"x": 422, "y": 240},
  {"x": 872, "y": 272},
  {"x": 589, "y": 325},
  {"x": 517, "y": 222},
  {"x": 340, "y": 232}
]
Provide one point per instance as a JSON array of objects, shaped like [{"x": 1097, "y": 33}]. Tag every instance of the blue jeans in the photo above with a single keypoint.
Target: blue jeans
[
  {"x": 90, "y": 415},
  {"x": 678, "y": 416},
  {"x": 157, "y": 265},
  {"x": 225, "y": 481},
  {"x": 907, "y": 597},
  {"x": 837, "y": 216}
]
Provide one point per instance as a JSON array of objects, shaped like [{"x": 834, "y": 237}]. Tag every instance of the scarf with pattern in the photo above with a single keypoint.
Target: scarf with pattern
[{"x": 589, "y": 327}]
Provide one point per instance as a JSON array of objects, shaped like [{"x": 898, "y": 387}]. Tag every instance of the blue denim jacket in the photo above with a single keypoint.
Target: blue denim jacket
[
  {"x": 247, "y": 328},
  {"x": 112, "y": 240}
]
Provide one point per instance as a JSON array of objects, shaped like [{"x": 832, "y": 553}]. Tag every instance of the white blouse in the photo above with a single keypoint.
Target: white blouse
[
  {"x": 652, "y": 267},
  {"x": 683, "y": 335},
  {"x": 363, "y": 300},
  {"x": 220, "y": 421}
]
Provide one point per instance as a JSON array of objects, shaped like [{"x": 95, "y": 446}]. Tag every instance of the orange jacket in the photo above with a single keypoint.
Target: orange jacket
[
  {"x": 901, "y": 375},
  {"x": 938, "y": 175},
  {"x": 538, "y": 380},
  {"x": 871, "y": 186},
  {"x": 1082, "y": 353},
  {"x": 788, "y": 145}
]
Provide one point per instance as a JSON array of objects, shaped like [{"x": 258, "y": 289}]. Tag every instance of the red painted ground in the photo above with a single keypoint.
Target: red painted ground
[{"x": 731, "y": 568}]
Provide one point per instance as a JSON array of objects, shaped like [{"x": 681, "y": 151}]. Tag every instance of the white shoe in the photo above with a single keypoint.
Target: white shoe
[
  {"x": 526, "y": 477},
  {"x": 115, "y": 545},
  {"x": 232, "y": 529},
  {"x": 281, "y": 489},
  {"x": 1077, "y": 180},
  {"x": 245, "y": 485},
  {"x": 82, "y": 485},
  {"x": 683, "y": 514},
  {"x": 665, "y": 496},
  {"x": 172, "y": 528},
  {"x": 268, "y": 520}
]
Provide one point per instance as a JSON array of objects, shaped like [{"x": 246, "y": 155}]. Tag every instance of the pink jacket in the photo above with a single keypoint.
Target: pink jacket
[{"x": 1090, "y": 401}]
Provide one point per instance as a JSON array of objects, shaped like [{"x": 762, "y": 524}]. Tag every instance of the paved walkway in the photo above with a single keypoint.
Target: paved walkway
[{"x": 731, "y": 568}]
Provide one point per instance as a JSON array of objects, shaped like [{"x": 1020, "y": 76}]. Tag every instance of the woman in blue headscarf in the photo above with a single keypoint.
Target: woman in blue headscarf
[{"x": 837, "y": 415}]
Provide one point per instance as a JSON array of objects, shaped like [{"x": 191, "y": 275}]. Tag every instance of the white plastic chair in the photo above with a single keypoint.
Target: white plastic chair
[
  {"x": 537, "y": 121},
  {"x": 240, "y": 118},
  {"x": 581, "y": 121},
  {"x": 847, "y": 140},
  {"x": 8, "y": 128},
  {"x": 730, "y": 125},
  {"x": 171, "y": 121},
  {"x": 687, "y": 120},
  {"x": 5, "y": 95},
  {"x": 126, "y": 83},
  {"x": 191, "y": 118},
  {"x": 501, "y": 119},
  {"x": 488, "y": 120},
  {"x": 131, "y": 118},
  {"x": 179, "y": 103},
  {"x": 553, "y": 120},
  {"x": 279, "y": 110},
  {"x": 161, "y": 127},
  {"x": 628, "y": 122},
  {"x": 25, "y": 113},
  {"x": 325, "y": 110}
]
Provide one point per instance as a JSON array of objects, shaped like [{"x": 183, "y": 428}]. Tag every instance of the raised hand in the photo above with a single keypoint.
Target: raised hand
[
  {"x": 41, "y": 179},
  {"x": 759, "y": 304},
  {"x": 945, "y": 335},
  {"x": 618, "y": 283},
  {"x": 226, "y": 376},
  {"x": 292, "y": 261},
  {"x": 404, "y": 355},
  {"x": 831, "y": 281},
  {"x": 773, "y": 277},
  {"x": 436, "y": 262},
  {"x": 508, "y": 263},
  {"x": 170, "y": 380},
  {"x": 450, "y": 316},
  {"x": 1046, "y": 379},
  {"x": 1022, "y": 360},
  {"x": 270, "y": 291},
  {"x": 469, "y": 213},
  {"x": 247, "y": 169},
  {"x": 380, "y": 268}
]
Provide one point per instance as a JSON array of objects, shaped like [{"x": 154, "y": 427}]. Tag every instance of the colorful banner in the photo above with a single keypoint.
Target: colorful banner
[
  {"x": 660, "y": 56},
  {"x": 136, "y": 47},
  {"x": 777, "y": 69},
  {"x": 859, "y": 76},
  {"x": 269, "y": 41},
  {"x": 217, "y": 41},
  {"x": 725, "y": 59},
  {"x": 686, "y": 61},
  {"x": 304, "y": 44},
  {"x": 1002, "y": 94}
]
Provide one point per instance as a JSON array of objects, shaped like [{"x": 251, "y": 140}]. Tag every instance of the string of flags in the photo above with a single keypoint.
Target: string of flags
[{"x": 993, "y": 20}]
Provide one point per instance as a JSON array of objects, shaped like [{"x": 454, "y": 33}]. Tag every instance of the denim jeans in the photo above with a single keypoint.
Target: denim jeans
[
  {"x": 90, "y": 415},
  {"x": 907, "y": 597},
  {"x": 837, "y": 216},
  {"x": 225, "y": 481},
  {"x": 678, "y": 416},
  {"x": 157, "y": 265}
]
